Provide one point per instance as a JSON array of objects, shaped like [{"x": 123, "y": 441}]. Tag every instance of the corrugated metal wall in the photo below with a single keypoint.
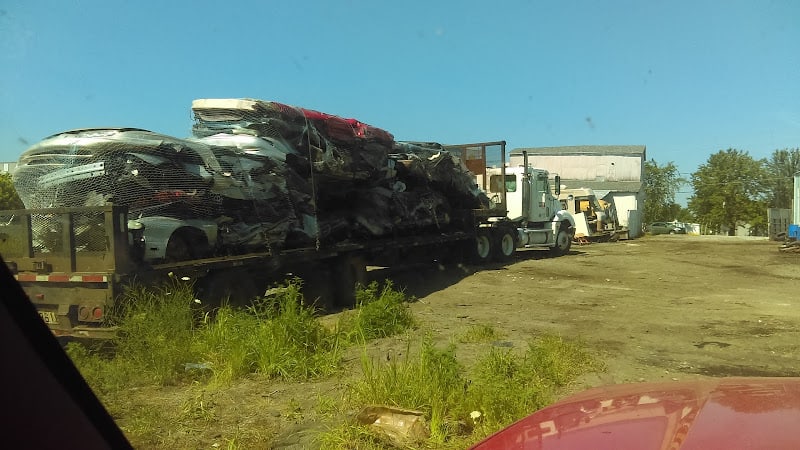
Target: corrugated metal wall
[{"x": 778, "y": 219}]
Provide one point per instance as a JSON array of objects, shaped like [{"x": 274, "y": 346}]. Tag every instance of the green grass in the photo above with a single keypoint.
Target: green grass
[
  {"x": 428, "y": 381},
  {"x": 381, "y": 311},
  {"x": 462, "y": 406},
  {"x": 166, "y": 338},
  {"x": 156, "y": 329},
  {"x": 433, "y": 382},
  {"x": 222, "y": 343},
  {"x": 480, "y": 333},
  {"x": 278, "y": 337},
  {"x": 351, "y": 437},
  {"x": 508, "y": 385},
  {"x": 290, "y": 342}
]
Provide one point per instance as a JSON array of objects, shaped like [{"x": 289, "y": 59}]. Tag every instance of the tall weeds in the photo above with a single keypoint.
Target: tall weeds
[
  {"x": 164, "y": 336},
  {"x": 291, "y": 343},
  {"x": 463, "y": 406},
  {"x": 381, "y": 311},
  {"x": 156, "y": 330}
]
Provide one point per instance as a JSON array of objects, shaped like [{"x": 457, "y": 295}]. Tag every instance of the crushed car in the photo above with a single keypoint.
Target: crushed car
[{"x": 256, "y": 176}]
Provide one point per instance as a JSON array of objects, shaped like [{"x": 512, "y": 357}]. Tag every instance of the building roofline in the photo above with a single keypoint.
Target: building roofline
[{"x": 621, "y": 150}]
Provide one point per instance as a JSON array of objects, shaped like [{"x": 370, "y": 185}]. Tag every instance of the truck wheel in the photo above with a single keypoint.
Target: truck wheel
[
  {"x": 177, "y": 249},
  {"x": 563, "y": 243},
  {"x": 348, "y": 272},
  {"x": 482, "y": 246},
  {"x": 505, "y": 245}
]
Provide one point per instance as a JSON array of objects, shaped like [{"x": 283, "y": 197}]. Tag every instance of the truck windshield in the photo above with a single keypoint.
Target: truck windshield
[{"x": 495, "y": 183}]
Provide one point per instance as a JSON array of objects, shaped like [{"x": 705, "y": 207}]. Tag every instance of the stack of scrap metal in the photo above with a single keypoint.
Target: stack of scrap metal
[
  {"x": 268, "y": 175},
  {"x": 365, "y": 184},
  {"x": 336, "y": 148},
  {"x": 429, "y": 166},
  {"x": 162, "y": 176}
]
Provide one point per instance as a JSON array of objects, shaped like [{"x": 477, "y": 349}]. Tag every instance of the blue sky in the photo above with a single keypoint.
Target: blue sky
[{"x": 684, "y": 78}]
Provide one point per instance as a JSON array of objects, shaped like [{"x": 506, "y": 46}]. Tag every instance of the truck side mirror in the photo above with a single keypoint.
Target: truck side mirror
[{"x": 558, "y": 186}]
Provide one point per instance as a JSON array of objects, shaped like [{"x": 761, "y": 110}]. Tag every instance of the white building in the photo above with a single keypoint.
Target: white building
[{"x": 614, "y": 172}]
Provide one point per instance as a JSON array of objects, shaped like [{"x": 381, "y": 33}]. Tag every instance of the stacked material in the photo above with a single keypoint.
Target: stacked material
[
  {"x": 336, "y": 148},
  {"x": 161, "y": 176},
  {"x": 267, "y": 174}
]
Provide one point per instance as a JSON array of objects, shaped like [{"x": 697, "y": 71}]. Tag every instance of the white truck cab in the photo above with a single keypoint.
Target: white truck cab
[{"x": 525, "y": 194}]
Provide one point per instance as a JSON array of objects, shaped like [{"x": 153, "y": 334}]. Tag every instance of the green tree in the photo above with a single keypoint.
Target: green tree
[
  {"x": 661, "y": 183},
  {"x": 680, "y": 213},
  {"x": 8, "y": 195},
  {"x": 730, "y": 189},
  {"x": 685, "y": 215},
  {"x": 781, "y": 167}
]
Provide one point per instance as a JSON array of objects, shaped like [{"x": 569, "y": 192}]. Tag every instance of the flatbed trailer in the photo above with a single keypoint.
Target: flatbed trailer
[{"x": 75, "y": 262}]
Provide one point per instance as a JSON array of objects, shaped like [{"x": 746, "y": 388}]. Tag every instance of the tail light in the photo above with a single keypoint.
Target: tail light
[{"x": 90, "y": 313}]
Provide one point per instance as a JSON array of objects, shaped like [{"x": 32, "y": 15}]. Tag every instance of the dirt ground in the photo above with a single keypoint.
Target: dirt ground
[
  {"x": 653, "y": 309},
  {"x": 656, "y": 308}
]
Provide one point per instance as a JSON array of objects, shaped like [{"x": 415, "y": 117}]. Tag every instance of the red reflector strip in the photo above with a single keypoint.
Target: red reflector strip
[
  {"x": 95, "y": 278},
  {"x": 58, "y": 278},
  {"x": 62, "y": 278}
]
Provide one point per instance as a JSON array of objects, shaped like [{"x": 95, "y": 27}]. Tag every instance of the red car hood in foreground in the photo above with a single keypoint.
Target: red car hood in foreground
[{"x": 724, "y": 413}]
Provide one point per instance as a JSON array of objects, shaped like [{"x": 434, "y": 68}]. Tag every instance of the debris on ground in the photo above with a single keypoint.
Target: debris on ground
[{"x": 399, "y": 426}]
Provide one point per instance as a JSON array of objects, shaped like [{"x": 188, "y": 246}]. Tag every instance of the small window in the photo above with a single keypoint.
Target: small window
[{"x": 495, "y": 186}]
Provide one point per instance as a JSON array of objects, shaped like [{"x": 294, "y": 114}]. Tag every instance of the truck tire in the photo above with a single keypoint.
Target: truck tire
[
  {"x": 562, "y": 244},
  {"x": 185, "y": 244},
  {"x": 178, "y": 249},
  {"x": 505, "y": 244},
  {"x": 481, "y": 246},
  {"x": 349, "y": 271}
]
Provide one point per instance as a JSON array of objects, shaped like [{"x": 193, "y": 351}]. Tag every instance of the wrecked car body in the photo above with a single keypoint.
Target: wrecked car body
[{"x": 256, "y": 176}]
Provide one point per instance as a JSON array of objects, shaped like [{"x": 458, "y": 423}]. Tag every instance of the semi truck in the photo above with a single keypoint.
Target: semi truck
[{"x": 74, "y": 261}]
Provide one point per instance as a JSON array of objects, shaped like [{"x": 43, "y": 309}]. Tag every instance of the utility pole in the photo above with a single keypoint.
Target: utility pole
[{"x": 794, "y": 227}]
